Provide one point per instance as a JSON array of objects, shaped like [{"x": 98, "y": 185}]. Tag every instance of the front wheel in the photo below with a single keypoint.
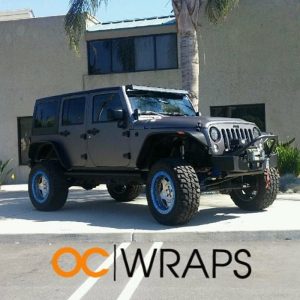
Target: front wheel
[
  {"x": 124, "y": 193},
  {"x": 173, "y": 192},
  {"x": 261, "y": 193}
]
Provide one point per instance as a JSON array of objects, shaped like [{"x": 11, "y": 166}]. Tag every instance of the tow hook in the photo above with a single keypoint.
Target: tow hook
[{"x": 267, "y": 178}]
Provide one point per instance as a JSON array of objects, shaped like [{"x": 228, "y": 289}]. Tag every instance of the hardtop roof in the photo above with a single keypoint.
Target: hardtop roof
[{"x": 115, "y": 88}]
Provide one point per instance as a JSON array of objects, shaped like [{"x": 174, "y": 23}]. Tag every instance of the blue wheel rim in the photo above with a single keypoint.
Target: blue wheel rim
[
  {"x": 163, "y": 192},
  {"x": 40, "y": 186}
]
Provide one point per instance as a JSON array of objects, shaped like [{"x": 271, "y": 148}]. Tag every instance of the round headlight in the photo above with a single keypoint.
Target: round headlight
[
  {"x": 256, "y": 132},
  {"x": 214, "y": 134}
]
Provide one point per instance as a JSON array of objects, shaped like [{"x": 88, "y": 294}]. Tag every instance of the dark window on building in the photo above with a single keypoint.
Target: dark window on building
[
  {"x": 73, "y": 111},
  {"x": 100, "y": 63},
  {"x": 123, "y": 55},
  {"x": 24, "y": 132},
  {"x": 251, "y": 112},
  {"x": 102, "y": 103},
  {"x": 143, "y": 53},
  {"x": 46, "y": 113},
  {"x": 166, "y": 56}
]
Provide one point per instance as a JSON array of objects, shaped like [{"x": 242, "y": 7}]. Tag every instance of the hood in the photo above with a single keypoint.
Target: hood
[{"x": 166, "y": 122}]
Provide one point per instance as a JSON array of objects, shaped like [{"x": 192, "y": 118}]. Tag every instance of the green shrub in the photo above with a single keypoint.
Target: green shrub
[
  {"x": 288, "y": 158},
  {"x": 4, "y": 171}
]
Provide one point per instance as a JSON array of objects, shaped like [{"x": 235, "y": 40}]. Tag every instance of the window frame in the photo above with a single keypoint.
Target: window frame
[
  {"x": 21, "y": 163},
  {"x": 133, "y": 37}
]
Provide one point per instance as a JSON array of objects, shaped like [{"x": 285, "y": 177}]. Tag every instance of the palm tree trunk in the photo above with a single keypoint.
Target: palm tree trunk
[
  {"x": 187, "y": 17},
  {"x": 189, "y": 58}
]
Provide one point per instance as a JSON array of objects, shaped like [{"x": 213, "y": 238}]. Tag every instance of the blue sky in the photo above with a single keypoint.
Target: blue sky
[{"x": 116, "y": 9}]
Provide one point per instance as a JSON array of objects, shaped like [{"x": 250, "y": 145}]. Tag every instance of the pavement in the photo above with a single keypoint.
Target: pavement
[
  {"x": 26, "y": 272},
  {"x": 89, "y": 214},
  {"x": 29, "y": 239}
]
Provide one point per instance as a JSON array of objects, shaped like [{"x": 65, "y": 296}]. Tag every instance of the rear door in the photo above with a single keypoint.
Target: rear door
[
  {"x": 108, "y": 146},
  {"x": 72, "y": 129}
]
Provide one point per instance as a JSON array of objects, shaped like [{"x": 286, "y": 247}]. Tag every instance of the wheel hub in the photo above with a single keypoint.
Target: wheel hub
[
  {"x": 40, "y": 186},
  {"x": 163, "y": 192}
]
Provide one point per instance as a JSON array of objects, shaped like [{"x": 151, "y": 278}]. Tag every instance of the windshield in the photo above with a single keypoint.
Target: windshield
[{"x": 161, "y": 104}]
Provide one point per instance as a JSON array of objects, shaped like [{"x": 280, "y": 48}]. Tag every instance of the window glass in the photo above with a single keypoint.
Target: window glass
[
  {"x": 73, "y": 111},
  {"x": 161, "y": 103},
  {"x": 99, "y": 57},
  {"x": 102, "y": 104},
  {"x": 123, "y": 55},
  {"x": 140, "y": 53},
  {"x": 144, "y": 53},
  {"x": 166, "y": 51},
  {"x": 24, "y": 132},
  {"x": 46, "y": 114},
  {"x": 252, "y": 112}
]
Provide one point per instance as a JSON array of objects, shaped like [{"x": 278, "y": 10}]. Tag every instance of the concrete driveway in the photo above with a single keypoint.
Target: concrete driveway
[{"x": 95, "y": 212}]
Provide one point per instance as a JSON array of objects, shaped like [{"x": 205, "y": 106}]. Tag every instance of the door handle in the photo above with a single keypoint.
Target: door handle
[
  {"x": 93, "y": 131},
  {"x": 65, "y": 133}
]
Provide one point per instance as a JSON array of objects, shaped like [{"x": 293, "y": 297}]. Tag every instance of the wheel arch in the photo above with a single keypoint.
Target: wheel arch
[
  {"x": 48, "y": 150},
  {"x": 163, "y": 145}
]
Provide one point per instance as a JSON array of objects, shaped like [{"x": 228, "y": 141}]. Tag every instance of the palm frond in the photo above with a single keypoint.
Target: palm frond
[
  {"x": 75, "y": 20},
  {"x": 219, "y": 9}
]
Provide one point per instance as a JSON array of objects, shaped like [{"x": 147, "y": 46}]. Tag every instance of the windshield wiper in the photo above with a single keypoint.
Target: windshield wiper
[
  {"x": 175, "y": 114},
  {"x": 150, "y": 112}
]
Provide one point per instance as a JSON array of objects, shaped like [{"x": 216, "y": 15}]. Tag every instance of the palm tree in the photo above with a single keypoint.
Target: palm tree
[{"x": 187, "y": 13}]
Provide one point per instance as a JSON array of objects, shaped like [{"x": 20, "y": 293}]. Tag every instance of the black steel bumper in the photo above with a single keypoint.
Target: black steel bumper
[
  {"x": 232, "y": 164},
  {"x": 237, "y": 162}
]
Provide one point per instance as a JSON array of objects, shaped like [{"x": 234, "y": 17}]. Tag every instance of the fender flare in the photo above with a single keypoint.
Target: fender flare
[
  {"x": 198, "y": 136},
  {"x": 35, "y": 148}
]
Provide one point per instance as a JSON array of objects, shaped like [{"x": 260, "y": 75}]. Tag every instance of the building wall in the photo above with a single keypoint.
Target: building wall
[
  {"x": 35, "y": 61},
  {"x": 254, "y": 57}
]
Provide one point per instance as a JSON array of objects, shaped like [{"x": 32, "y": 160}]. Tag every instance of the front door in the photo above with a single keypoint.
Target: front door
[
  {"x": 72, "y": 129},
  {"x": 107, "y": 144}
]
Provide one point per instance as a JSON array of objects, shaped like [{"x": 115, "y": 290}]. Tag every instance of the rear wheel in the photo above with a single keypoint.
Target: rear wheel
[
  {"x": 261, "y": 193},
  {"x": 47, "y": 186},
  {"x": 173, "y": 192},
  {"x": 124, "y": 192}
]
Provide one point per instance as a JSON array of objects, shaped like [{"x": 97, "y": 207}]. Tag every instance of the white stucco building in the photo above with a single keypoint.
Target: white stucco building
[{"x": 250, "y": 66}]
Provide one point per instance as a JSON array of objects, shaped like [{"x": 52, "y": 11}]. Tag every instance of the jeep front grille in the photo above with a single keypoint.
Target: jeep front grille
[{"x": 232, "y": 134}]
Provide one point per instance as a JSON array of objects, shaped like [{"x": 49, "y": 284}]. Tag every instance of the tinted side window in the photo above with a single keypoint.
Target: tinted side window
[
  {"x": 46, "y": 114},
  {"x": 102, "y": 103},
  {"x": 73, "y": 111}
]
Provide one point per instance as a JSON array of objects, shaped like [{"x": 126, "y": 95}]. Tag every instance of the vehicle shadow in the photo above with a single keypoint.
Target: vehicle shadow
[{"x": 97, "y": 209}]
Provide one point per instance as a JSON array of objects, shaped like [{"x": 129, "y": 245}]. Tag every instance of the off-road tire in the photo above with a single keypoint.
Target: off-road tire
[
  {"x": 58, "y": 187},
  {"x": 187, "y": 191},
  {"x": 265, "y": 194},
  {"x": 124, "y": 193}
]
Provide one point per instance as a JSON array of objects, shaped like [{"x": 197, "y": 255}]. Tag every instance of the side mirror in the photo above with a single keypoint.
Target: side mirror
[
  {"x": 136, "y": 114},
  {"x": 115, "y": 114}
]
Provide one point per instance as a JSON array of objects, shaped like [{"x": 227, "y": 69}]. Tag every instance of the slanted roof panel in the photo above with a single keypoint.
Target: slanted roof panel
[{"x": 155, "y": 21}]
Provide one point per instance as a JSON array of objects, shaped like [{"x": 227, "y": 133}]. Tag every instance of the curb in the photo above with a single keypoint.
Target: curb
[{"x": 154, "y": 237}]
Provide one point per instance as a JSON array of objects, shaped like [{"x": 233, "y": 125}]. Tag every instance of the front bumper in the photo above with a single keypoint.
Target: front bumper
[
  {"x": 249, "y": 158},
  {"x": 237, "y": 164}
]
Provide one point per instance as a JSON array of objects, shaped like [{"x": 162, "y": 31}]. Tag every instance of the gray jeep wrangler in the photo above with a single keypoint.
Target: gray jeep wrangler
[{"x": 130, "y": 136}]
